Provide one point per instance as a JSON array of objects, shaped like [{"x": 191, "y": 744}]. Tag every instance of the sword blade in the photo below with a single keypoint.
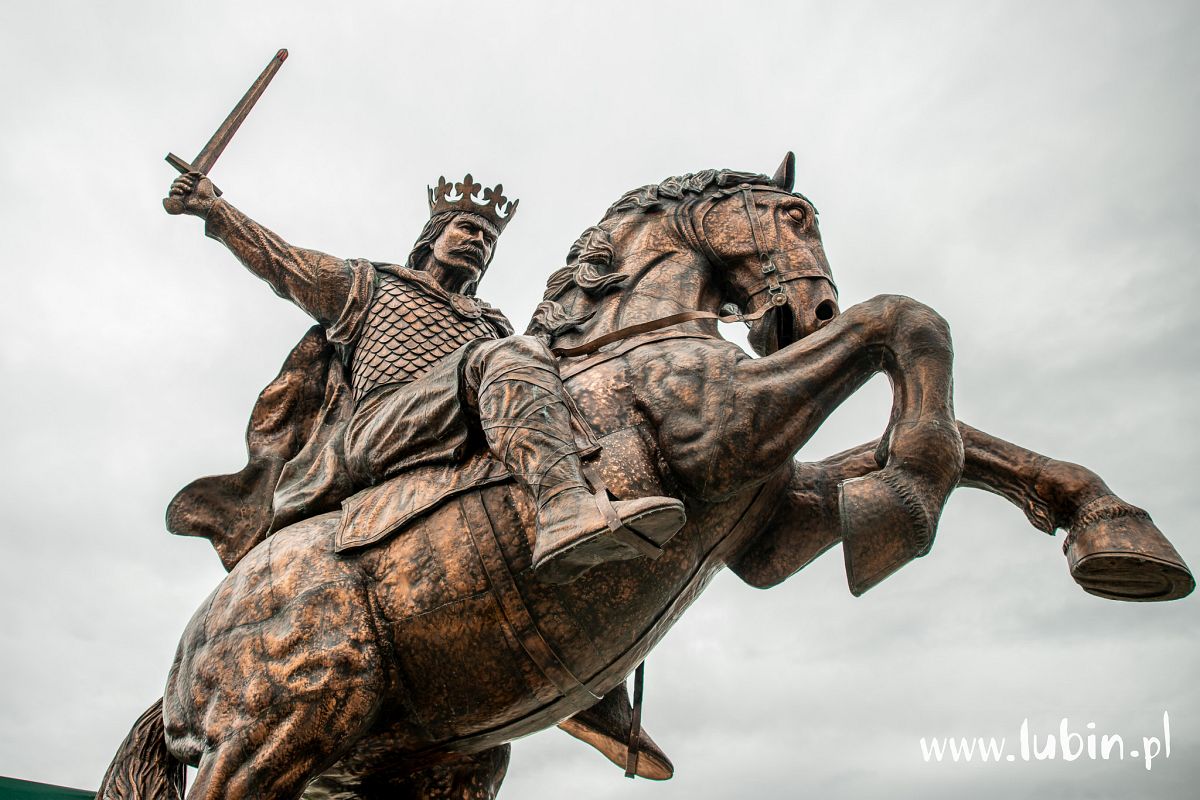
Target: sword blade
[{"x": 208, "y": 156}]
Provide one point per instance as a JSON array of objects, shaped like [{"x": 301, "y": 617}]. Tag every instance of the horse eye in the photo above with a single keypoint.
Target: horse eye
[{"x": 796, "y": 214}]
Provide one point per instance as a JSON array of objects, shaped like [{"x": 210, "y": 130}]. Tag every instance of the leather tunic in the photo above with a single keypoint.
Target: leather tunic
[{"x": 408, "y": 329}]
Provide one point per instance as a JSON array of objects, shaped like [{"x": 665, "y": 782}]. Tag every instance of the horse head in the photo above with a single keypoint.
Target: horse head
[
  {"x": 765, "y": 247},
  {"x": 698, "y": 242}
]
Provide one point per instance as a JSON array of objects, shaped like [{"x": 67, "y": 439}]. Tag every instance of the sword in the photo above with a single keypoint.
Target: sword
[{"x": 208, "y": 156}]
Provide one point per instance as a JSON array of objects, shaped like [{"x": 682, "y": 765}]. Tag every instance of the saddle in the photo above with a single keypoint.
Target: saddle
[{"x": 382, "y": 510}]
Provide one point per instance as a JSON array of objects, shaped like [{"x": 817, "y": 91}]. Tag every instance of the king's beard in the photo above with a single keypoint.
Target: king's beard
[{"x": 454, "y": 276}]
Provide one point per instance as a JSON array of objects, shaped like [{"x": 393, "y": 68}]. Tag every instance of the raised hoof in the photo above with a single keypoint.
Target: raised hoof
[
  {"x": 647, "y": 523},
  {"x": 1116, "y": 551},
  {"x": 884, "y": 526}
]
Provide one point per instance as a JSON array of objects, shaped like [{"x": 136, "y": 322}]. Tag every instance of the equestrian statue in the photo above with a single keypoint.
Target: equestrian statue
[{"x": 448, "y": 536}]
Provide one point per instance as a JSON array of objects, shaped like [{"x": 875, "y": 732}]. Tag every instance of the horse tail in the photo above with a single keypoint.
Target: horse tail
[{"x": 143, "y": 768}]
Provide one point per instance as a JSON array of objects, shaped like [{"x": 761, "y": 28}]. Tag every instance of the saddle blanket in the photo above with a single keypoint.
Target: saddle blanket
[{"x": 379, "y": 511}]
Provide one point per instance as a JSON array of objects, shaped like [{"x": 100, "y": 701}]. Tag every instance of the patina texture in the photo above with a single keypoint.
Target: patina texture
[{"x": 402, "y": 665}]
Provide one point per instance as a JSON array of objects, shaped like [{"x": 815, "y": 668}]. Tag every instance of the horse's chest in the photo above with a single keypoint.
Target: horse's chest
[{"x": 629, "y": 462}]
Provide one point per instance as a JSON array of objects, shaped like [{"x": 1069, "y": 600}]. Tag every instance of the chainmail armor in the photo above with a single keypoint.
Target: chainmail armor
[{"x": 407, "y": 331}]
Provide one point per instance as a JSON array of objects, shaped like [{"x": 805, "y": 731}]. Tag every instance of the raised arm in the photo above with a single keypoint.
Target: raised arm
[{"x": 327, "y": 288}]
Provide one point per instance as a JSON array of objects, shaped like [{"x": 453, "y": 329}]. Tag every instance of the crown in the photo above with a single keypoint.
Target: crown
[{"x": 494, "y": 207}]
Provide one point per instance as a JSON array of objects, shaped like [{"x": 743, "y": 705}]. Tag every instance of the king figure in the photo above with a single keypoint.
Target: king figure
[{"x": 424, "y": 365}]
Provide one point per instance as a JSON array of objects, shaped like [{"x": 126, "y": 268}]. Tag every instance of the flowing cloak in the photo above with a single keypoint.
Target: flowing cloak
[{"x": 296, "y": 466}]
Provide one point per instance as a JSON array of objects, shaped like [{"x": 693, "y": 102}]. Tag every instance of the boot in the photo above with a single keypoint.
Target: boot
[{"x": 528, "y": 427}]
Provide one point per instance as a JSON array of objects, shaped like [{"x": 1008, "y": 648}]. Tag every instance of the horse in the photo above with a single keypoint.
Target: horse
[{"x": 406, "y": 668}]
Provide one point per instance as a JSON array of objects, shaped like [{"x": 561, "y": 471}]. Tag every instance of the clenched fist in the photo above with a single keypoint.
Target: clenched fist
[{"x": 191, "y": 193}]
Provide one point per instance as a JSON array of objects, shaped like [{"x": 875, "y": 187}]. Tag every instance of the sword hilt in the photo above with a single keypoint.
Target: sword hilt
[
  {"x": 216, "y": 145},
  {"x": 174, "y": 205}
]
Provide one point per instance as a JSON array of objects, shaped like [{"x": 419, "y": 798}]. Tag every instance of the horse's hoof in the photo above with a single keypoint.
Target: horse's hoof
[
  {"x": 1116, "y": 551},
  {"x": 885, "y": 524}
]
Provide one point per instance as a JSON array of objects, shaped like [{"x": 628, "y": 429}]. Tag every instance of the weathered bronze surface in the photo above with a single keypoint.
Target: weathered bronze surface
[{"x": 436, "y": 549}]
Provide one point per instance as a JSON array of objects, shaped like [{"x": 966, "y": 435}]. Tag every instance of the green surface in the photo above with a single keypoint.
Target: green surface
[{"x": 13, "y": 789}]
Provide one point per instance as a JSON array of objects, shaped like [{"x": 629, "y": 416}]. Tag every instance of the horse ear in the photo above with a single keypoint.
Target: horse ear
[{"x": 785, "y": 176}]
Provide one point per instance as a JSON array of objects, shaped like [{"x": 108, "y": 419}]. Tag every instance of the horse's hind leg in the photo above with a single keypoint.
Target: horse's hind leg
[
  {"x": 452, "y": 776},
  {"x": 1115, "y": 550},
  {"x": 276, "y": 755}
]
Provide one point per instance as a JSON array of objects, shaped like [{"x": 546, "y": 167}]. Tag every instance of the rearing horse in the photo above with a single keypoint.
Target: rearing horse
[{"x": 404, "y": 669}]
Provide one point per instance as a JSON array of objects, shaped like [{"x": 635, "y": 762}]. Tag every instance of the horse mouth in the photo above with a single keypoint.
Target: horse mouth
[
  {"x": 776, "y": 330},
  {"x": 785, "y": 328},
  {"x": 789, "y": 328}
]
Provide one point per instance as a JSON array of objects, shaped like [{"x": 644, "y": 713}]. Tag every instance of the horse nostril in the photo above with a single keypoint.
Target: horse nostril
[{"x": 825, "y": 310}]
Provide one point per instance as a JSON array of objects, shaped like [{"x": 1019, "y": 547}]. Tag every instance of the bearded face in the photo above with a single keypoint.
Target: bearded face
[{"x": 464, "y": 248}]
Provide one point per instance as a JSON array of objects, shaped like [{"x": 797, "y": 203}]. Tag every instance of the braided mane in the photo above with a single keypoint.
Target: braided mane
[{"x": 588, "y": 274}]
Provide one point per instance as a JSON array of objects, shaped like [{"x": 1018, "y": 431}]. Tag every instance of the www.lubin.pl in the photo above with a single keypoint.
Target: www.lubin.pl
[{"x": 1067, "y": 745}]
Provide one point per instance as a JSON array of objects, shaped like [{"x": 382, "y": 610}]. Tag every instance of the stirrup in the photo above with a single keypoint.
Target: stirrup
[{"x": 606, "y": 726}]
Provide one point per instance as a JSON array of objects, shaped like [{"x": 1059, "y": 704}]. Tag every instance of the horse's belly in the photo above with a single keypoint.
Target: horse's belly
[
  {"x": 447, "y": 618},
  {"x": 484, "y": 651},
  {"x": 461, "y": 666}
]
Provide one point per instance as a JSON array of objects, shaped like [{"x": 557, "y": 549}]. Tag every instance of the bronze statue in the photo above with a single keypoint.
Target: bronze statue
[
  {"x": 415, "y": 368},
  {"x": 394, "y": 616}
]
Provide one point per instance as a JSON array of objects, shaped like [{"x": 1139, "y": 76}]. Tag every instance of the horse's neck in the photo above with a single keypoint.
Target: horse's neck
[{"x": 665, "y": 277}]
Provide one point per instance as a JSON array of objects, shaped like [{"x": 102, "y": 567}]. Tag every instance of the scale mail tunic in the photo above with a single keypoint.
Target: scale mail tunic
[
  {"x": 405, "y": 374},
  {"x": 341, "y": 414}
]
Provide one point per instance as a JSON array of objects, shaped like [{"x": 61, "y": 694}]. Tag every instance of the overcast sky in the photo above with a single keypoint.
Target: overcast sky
[{"x": 1027, "y": 169}]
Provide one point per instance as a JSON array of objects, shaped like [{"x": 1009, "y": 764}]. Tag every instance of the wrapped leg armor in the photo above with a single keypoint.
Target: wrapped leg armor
[{"x": 514, "y": 385}]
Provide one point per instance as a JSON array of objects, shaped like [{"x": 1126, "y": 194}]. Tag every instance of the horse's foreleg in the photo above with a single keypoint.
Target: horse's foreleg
[
  {"x": 780, "y": 401},
  {"x": 806, "y": 521},
  {"x": 889, "y": 515},
  {"x": 1049, "y": 492},
  {"x": 1113, "y": 548}
]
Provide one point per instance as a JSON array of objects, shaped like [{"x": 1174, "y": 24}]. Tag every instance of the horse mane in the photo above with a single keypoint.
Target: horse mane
[{"x": 588, "y": 274}]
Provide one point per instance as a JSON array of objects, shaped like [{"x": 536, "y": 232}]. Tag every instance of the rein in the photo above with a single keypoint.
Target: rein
[
  {"x": 592, "y": 345},
  {"x": 772, "y": 282}
]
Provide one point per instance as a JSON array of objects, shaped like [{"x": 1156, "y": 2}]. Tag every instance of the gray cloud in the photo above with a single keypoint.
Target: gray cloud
[{"x": 1026, "y": 169}]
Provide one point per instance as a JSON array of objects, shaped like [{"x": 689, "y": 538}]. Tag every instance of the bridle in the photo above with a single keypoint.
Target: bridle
[
  {"x": 688, "y": 220},
  {"x": 690, "y": 223}
]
